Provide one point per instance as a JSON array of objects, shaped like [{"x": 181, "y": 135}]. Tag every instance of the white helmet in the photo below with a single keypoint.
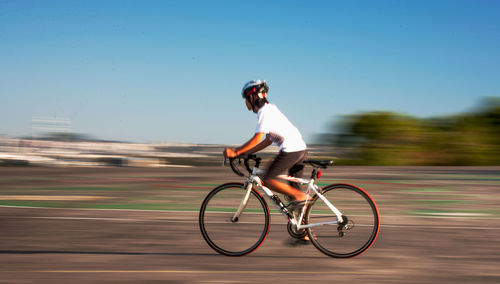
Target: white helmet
[{"x": 258, "y": 87}]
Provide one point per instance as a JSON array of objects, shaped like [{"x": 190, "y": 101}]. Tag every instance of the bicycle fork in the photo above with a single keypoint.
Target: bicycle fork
[{"x": 243, "y": 203}]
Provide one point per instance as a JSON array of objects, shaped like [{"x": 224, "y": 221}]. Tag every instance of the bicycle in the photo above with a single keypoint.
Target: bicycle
[{"x": 234, "y": 218}]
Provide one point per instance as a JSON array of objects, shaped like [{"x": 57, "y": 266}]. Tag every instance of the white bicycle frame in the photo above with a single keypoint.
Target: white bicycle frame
[{"x": 254, "y": 180}]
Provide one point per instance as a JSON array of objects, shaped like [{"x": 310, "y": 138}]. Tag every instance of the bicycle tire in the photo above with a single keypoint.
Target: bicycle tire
[
  {"x": 236, "y": 238},
  {"x": 354, "y": 236}
]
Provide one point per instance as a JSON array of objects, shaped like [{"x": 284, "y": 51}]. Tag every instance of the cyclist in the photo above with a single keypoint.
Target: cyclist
[{"x": 273, "y": 127}]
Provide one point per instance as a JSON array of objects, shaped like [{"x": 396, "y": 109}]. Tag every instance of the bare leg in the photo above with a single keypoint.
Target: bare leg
[{"x": 286, "y": 189}]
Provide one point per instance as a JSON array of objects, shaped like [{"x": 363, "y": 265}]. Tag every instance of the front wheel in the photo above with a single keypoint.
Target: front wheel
[
  {"x": 226, "y": 235},
  {"x": 359, "y": 228}
]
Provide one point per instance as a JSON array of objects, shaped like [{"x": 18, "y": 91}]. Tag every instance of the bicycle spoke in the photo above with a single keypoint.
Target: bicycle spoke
[
  {"x": 233, "y": 237},
  {"x": 360, "y": 226}
]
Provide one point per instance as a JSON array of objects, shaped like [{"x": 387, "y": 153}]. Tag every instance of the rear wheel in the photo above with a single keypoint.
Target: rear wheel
[
  {"x": 233, "y": 237},
  {"x": 359, "y": 228}
]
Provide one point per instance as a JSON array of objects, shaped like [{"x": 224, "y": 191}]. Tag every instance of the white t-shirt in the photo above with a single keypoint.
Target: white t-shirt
[{"x": 281, "y": 131}]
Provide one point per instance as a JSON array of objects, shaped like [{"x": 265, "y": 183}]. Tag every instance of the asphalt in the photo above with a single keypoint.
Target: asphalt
[{"x": 40, "y": 245}]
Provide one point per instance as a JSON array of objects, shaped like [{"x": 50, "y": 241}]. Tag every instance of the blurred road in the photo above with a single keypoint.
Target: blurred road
[
  {"x": 50, "y": 245},
  {"x": 54, "y": 245}
]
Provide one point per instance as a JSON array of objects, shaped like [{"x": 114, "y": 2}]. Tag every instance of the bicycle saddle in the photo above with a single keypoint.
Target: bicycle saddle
[{"x": 320, "y": 164}]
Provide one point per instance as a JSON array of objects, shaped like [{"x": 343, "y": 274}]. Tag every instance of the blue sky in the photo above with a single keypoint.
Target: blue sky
[{"x": 151, "y": 71}]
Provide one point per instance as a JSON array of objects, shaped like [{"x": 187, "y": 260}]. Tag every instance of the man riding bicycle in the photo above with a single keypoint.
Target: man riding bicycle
[{"x": 273, "y": 127}]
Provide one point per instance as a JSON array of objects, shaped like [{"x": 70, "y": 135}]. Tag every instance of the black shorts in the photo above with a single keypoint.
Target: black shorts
[{"x": 291, "y": 161}]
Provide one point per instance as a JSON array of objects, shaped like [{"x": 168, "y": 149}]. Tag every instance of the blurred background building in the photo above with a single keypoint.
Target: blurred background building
[{"x": 371, "y": 138}]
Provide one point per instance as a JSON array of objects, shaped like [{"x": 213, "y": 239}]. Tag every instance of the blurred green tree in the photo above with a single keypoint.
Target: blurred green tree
[{"x": 387, "y": 138}]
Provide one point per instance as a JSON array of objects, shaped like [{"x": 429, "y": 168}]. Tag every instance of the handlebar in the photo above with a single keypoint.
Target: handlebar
[{"x": 246, "y": 159}]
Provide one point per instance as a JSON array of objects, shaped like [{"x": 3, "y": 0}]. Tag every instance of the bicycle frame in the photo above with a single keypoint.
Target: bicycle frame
[{"x": 254, "y": 180}]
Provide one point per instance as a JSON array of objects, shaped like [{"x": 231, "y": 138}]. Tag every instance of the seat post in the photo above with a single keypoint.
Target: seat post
[{"x": 314, "y": 173}]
